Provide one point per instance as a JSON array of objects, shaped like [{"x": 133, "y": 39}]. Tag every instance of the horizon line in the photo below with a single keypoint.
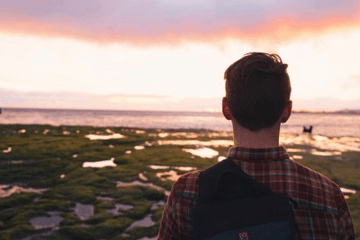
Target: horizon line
[{"x": 344, "y": 110}]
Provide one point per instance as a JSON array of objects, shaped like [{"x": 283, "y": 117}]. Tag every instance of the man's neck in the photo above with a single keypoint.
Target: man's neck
[{"x": 264, "y": 138}]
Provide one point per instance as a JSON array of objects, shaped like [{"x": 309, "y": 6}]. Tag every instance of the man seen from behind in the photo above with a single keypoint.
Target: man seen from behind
[{"x": 257, "y": 101}]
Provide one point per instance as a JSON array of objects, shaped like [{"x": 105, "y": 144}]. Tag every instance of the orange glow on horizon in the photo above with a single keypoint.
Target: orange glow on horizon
[{"x": 279, "y": 31}]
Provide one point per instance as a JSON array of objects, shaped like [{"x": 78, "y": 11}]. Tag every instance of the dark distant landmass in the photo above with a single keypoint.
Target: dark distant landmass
[
  {"x": 342, "y": 111},
  {"x": 349, "y": 111}
]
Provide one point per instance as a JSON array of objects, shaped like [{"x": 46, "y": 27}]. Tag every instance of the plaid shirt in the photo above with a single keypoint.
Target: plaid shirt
[{"x": 322, "y": 212}]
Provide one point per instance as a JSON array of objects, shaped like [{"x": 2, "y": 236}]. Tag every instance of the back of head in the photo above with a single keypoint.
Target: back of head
[{"x": 257, "y": 90}]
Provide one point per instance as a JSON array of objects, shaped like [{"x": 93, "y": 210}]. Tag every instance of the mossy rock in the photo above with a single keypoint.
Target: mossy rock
[
  {"x": 70, "y": 219},
  {"x": 354, "y": 205},
  {"x": 140, "y": 232},
  {"x": 99, "y": 217},
  {"x": 139, "y": 211},
  {"x": 158, "y": 214},
  {"x": 82, "y": 194},
  {"x": 104, "y": 204},
  {"x": 104, "y": 230},
  {"x": 17, "y": 232},
  {"x": 153, "y": 194},
  {"x": 17, "y": 199},
  {"x": 48, "y": 204}
]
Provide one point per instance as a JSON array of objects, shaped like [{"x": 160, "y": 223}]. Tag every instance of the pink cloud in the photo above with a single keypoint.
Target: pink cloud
[{"x": 152, "y": 21}]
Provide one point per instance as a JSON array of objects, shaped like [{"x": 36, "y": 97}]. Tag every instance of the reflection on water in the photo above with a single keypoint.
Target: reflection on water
[
  {"x": 138, "y": 183},
  {"x": 84, "y": 211},
  {"x": 203, "y": 152},
  {"x": 108, "y": 130},
  {"x": 178, "y": 134},
  {"x": 47, "y": 221},
  {"x": 330, "y": 144},
  {"x": 170, "y": 175},
  {"x": 119, "y": 206},
  {"x": 163, "y": 135},
  {"x": 100, "y": 164},
  {"x": 143, "y": 177},
  {"x": 333, "y": 145},
  {"x": 162, "y": 167},
  {"x": 314, "y": 151},
  {"x": 210, "y": 143},
  {"x": 324, "y": 153},
  {"x": 139, "y": 147},
  {"x": 294, "y": 150},
  {"x": 145, "y": 222},
  {"x": 158, "y": 167},
  {"x": 104, "y": 137},
  {"x": 185, "y": 169},
  {"x": 347, "y": 192},
  {"x": 7, "y": 190},
  {"x": 156, "y": 206},
  {"x": 8, "y": 150},
  {"x": 191, "y": 135},
  {"x": 110, "y": 199}
]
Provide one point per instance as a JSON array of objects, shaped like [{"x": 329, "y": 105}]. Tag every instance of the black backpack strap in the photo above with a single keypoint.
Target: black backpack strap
[
  {"x": 225, "y": 181},
  {"x": 224, "y": 190}
]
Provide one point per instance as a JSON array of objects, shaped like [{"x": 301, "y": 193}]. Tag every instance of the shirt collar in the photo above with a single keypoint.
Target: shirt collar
[{"x": 258, "y": 154}]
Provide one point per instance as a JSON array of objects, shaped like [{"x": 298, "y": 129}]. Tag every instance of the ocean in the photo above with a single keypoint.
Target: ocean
[{"x": 327, "y": 124}]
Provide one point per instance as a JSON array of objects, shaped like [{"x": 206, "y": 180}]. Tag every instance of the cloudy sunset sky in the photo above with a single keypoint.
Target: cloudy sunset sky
[{"x": 171, "y": 54}]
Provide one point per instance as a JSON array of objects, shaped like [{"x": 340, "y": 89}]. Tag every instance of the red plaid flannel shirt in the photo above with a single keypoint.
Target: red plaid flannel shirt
[{"x": 322, "y": 212}]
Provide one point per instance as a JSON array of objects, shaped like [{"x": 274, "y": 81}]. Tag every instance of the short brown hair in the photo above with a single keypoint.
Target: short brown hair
[{"x": 257, "y": 89}]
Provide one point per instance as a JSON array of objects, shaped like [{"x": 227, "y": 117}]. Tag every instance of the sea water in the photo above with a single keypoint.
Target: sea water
[{"x": 327, "y": 124}]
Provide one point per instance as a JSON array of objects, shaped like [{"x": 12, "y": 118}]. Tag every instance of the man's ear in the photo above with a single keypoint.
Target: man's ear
[
  {"x": 286, "y": 112},
  {"x": 225, "y": 109}
]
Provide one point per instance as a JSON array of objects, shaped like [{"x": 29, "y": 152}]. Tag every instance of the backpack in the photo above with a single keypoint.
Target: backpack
[{"x": 232, "y": 205}]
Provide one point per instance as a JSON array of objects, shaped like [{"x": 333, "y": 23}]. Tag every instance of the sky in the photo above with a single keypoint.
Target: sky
[{"x": 172, "y": 54}]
